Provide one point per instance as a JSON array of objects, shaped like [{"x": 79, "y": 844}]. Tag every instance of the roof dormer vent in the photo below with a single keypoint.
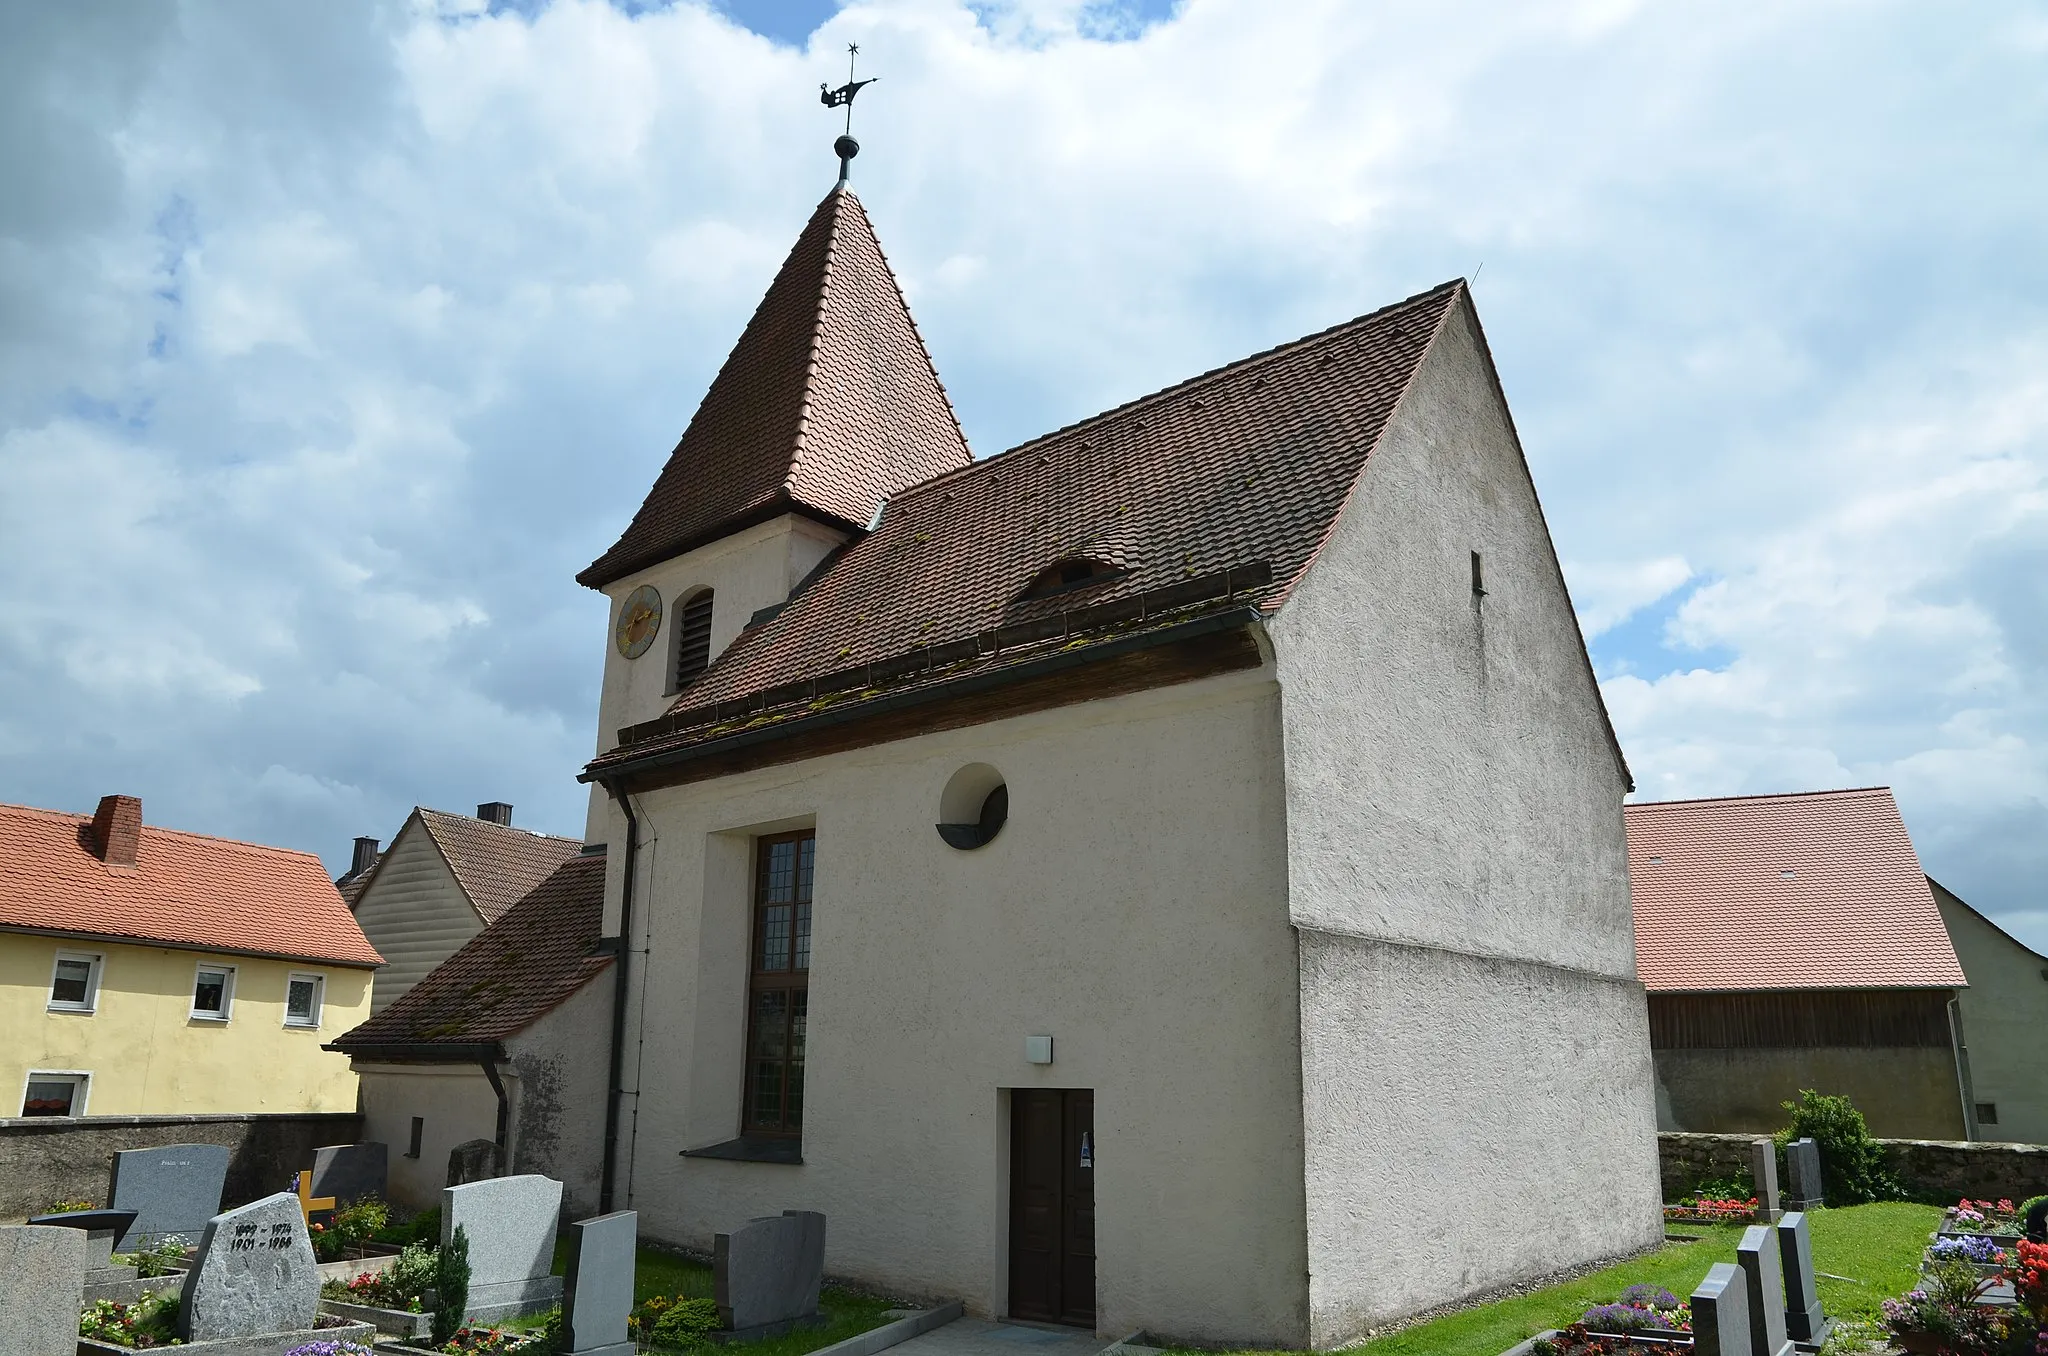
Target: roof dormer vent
[{"x": 1072, "y": 573}]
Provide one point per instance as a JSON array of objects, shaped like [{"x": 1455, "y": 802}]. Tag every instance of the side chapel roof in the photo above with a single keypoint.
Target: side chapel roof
[
  {"x": 828, "y": 403},
  {"x": 1816, "y": 890},
  {"x": 1237, "y": 474},
  {"x": 537, "y": 954}
]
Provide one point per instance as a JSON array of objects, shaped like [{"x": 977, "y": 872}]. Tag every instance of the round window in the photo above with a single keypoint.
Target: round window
[{"x": 973, "y": 807}]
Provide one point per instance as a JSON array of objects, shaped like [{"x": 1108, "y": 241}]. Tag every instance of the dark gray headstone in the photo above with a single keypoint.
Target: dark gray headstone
[
  {"x": 42, "y": 1287},
  {"x": 1802, "y": 1172},
  {"x": 510, "y": 1222},
  {"x": 174, "y": 1189},
  {"x": 1763, "y": 1176},
  {"x": 1805, "y": 1324},
  {"x": 769, "y": 1270},
  {"x": 101, "y": 1228},
  {"x": 1720, "y": 1314},
  {"x": 473, "y": 1160},
  {"x": 1763, "y": 1291},
  {"x": 350, "y": 1172},
  {"x": 254, "y": 1274},
  {"x": 600, "y": 1283}
]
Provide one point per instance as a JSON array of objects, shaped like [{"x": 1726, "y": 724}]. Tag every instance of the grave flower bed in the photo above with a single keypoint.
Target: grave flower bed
[
  {"x": 1712, "y": 1210},
  {"x": 1643, "y": 1318},
  {"x": 482, "y": 1339},
  {"x": 1979, "y": 1250},
  {"x": 1999, "y": 1219},
  {"x": 151, "y": 1321},
  {"x": 1948, "y": 1313}
]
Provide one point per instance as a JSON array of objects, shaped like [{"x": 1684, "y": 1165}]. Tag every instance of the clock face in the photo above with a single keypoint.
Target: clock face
[{"x": 639, "y": 619}]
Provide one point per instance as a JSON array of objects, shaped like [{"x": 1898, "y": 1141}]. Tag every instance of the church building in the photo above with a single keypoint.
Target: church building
[{"x": 1167, "y": 877}]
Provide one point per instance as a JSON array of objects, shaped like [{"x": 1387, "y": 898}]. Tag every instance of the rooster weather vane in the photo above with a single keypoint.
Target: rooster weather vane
[{"x": 846, "y": 147}]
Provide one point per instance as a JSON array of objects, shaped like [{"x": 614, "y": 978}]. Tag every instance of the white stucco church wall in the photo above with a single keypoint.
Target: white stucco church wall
[
  {"x": 1133, "y": 908},
  {"x": 1475, "y": 1043}
]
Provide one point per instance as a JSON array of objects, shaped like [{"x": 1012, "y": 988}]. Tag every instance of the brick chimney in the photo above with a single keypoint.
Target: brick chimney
[
  {"x": 366, "y": 857},
  {"x": 117, "y": 829},
  {"x": 495, "y": 812}
]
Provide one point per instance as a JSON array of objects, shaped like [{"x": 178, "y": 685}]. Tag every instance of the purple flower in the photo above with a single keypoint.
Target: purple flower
[{"x": 329, "y": 1348}]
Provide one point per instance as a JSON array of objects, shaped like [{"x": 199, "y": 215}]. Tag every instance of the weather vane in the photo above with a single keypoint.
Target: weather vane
[{"x": 846, "y": 147}]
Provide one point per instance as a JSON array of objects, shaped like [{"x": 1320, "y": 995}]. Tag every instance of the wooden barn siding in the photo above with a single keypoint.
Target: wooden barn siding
[
  {"x": 1795, "y": 1019},
  {"x": 414, "y": 913}
]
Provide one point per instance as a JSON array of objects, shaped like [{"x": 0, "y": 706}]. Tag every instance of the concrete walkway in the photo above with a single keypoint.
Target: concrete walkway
[{"x": 980, "y": 1337}]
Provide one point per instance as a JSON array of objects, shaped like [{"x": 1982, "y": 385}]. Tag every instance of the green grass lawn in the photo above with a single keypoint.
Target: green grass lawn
[
  {"x": 1877, "y": 1245},
  {"x": 664, "y": 1273}
]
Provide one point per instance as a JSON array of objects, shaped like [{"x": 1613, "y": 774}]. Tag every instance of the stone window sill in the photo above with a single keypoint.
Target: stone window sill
[{"x": 744, "y": 1150}]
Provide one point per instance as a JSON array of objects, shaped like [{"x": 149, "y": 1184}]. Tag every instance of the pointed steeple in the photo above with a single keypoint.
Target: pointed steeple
[{"x": 827, "y": 404}]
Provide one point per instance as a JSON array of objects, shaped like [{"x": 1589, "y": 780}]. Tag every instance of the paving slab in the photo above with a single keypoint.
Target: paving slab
[{"x": 983, "y": 1337}]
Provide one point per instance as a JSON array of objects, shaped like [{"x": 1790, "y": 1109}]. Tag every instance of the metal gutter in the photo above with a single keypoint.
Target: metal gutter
[
  {"x": 419, "y": 1052},
  {"x": 1230, "y": 619}
]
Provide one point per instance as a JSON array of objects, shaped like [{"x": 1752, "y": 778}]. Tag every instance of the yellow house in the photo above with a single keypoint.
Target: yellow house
[{"x": 150, "y": 971}]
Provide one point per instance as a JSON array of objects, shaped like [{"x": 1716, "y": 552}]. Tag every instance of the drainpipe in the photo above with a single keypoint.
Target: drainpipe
[
  {"x": 1965, "y": 1085},
  {"x": 624, "y": 952},
  {"x": 490, "y": 1068}
]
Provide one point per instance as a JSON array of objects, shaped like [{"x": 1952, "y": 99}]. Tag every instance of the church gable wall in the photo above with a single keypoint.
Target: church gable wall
[
  {"x": 1132, "y": 907},
  {"x": 1474, "y": 1039}
]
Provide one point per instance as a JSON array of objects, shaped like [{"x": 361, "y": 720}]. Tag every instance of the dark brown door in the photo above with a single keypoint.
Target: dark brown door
[{"x": 1052, "y": 1205}]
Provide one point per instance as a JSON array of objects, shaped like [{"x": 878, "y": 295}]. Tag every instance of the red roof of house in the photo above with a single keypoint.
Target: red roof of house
[
  {"x": 1239, "y": 472},
  {"x": 828, "y": 403},
  {"x": 495, "y": 864},
  {"x": 185, "y": 890},
  {"x": 506, "y": 977},
  {"x": 1816, "y": 890}
]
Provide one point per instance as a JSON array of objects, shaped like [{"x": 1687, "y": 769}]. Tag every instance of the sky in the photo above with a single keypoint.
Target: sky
[{"x": 335, "y": 339}]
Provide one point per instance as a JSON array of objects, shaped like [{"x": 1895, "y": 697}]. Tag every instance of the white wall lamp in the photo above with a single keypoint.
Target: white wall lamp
[{"x": 1038, "y": 1049}]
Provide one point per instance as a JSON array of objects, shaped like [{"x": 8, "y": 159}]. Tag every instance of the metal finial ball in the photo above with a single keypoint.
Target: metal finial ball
[{"x": 846, "y": 148}]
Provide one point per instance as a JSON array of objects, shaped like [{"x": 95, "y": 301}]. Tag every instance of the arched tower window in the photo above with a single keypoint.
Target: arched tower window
[{"x": 693, "y": 637}]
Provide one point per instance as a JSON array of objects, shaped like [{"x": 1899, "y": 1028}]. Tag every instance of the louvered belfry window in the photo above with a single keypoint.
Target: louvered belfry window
[
  {"x": 779, "y": 984},
  {"x": 693, "y": 638}
]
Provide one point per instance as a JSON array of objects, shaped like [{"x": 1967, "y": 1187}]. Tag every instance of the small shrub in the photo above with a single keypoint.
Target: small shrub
[
  {"x": 451, "y": 1286},
  {"x": 1852, "y": 1164},
  {"x": 685, "y": 1321},
  {"x": 403, "y": 1285},
  {"x": 424, "y": 1227},
  {"x": 149, "y": 1263}
]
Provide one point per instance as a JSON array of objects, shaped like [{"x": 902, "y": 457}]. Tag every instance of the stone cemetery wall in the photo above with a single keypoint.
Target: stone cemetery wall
[
  {"x": 1932, "y": 1170},
  {"x": 46, "y": 1159}
]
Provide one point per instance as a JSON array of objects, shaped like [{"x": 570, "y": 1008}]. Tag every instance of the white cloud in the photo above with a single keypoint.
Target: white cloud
[{"x": 333, "y": 340}]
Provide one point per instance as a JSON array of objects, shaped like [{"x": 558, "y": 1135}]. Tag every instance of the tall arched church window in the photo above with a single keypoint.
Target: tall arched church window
[{"x": 693, "y": 637}]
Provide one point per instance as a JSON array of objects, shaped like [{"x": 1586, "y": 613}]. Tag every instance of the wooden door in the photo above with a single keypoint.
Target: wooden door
[{"x": 1052, "y": 1205}]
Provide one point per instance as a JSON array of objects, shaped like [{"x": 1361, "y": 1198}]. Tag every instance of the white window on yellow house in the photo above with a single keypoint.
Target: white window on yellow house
[
  {"x": 54, "y": 1093},
  {"x": 213, "y": 993},
  {"x": 75, "y": 982},
  {"x": 302, "y": 999}
]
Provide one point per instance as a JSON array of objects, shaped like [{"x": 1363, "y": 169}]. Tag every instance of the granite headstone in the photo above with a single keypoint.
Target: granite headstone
[
  {"x": 1805, "y": 1324},
  {"x": 1763, "y": 1176},
  {"x": 511, "y": 1226},
  {"x": 1802, "y": 1172},
  {"x": 174, "y": 1189},
  {"x": 1763, "y": 1291},
  {"x": 1720, "y": 1314},
  {"x": 768, "y": 1271},
  {"x": 350, "y": 1172},
  {"x": 42, "y": 1286},
  {"x": 473, "y": 1160},
  {"x": 255, "y": 1274},
  {"x": 600, "y": 1283},
  {"x": 101, "y": 1228}
]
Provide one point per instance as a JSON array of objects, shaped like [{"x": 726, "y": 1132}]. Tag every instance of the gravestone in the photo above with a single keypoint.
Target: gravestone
[
  {"x": 254, "y": 1274},
  {"x": 101, "y": 1228},
  {"x": 350, "y": 1172},
  {"x": 600, "y": 1283},
  {"x": 1763, "y": 1290},
  {"x": 1805, "y": 1324},
  {"x": 473, "y": 1160},
  {"x": 767, "y": 1272},
  {"x": 511, "y": 1226},
  {"x": 1763, "y": 1176},
  {"x": 42, "y": 1288},
  {"x": 174, "y": 1189},
  {"x": 1802, "y": 1170},
  {"x": 1720, "y": 1314}
]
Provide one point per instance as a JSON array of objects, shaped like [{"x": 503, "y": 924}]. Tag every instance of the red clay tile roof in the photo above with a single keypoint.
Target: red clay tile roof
[
  {"x": 1819, "y": 890},
  {"x": 186, "y": 890},
  {"x": 494, "y": 864},
  {"x": 510, "y": 974},
  {"x": 1241, "y": 469},
  {"x": 828, "y": 402},
  {"x": 351, "y": 887}
]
